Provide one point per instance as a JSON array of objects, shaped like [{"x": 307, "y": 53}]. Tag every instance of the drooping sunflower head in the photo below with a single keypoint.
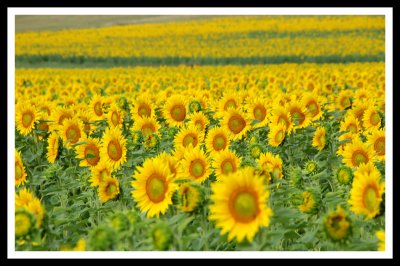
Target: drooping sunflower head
[
  {"x": 113, "y": 147},
  {"x": 337, "y": 224},
  {"x": 108, "y": 189},
  {"x": 71, "y": 131},
  {"x": 366, "y": 194},
  {"x": 26, "y": 116},
  {"x": 217, "y": 140},
  {"x": 175, "y": 111},
  {"x": 189, "y": 197},
  {"x": 88, "y": 153},
  {"x": 377, "y": 141},
  {"x": 153, "y": 187},
  {"x": 20, "y": 173},
  {"x": 240, "y": 205},
  {"x": 344, "y": 175},
  {"x": 195, "y": 165},
  {"x": 319, "y": 139},
  {"x": 224, "y": 163},
  {"x": 356, "y": 153},
  {"x": 276, "y": 135},
  {"x": 235, "y": 123}
]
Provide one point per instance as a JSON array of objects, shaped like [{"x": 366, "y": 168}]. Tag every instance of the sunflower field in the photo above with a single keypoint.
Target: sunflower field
[{"x": 212, "y": 151}]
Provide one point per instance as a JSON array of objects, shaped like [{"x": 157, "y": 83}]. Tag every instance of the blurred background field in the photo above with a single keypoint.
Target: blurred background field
[{"x": 51, "y": 41}]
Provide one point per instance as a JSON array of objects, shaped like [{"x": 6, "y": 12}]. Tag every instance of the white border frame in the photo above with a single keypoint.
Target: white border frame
[{"x": 387, "y": 12}]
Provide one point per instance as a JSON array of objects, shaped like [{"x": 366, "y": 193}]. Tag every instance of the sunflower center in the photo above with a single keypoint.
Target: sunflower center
[
  {"x": 279, "y": 136},
  {"x": 345, "y": 102},
  {"x": 197, "y": 168},
  {"x": 230, "y": 104},
  {"x": 178, "y": 113},
  {"x": 93, "y": 153},
  {"x": 228, "y": 166},
  {"x": 359, "y": 157},
  {"x": 352, "y": 128},
  {"x": 114, "y": 150},
  {"x": 73, "y": 134},
  {"x": 336, "y": 222},
  {"x": 111, "y": 189},
  {"x": 236, "y": 124},
  {"x": 144, "y": 110},
  {"x": 115, "y": 118},
  {"x": 370, "y": 198},
  {"x": 190, "y": 139},
  {"x": 243, "y": 206},
  {"x": 312, "y": 108},
  {"x": 260, "y": 113},
  {"x": 97, "y": 109},
  {"x": 27, "y": 119},
  {"x": 219, "y": 142},
  {"x": 148, "y": 129},
  {"x": 156, "y": 188},
  {"x": 379, "y": 146},
  {"x": 298, "y": 117},
  {"x": 18, "y": 171},
  {"x": 375, "y": 119}
]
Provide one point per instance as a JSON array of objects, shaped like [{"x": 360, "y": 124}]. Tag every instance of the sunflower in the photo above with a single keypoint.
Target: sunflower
[
  {"x": 258, "y": 111},
  {"x": 96, "y": 107},
  {"x": 37, "y": 209},
  {"x": 312, "y": 105},
  {"x": 235, "y": 123},
  {"x": 99, "y": 173},
  {"x": 199, "y": 121},
  {"x": 224, "y": 163},
  {"x": 344, "y": 101},
  {"x": 371, "y": 119},
  {"x": 175, "y": 111},
  {"x": 172, "y": 162},
  {"x": 153, "y": 187},
  {"x": 381, "y": 237},
  {"x": 217, "y": 140},
  {"x": 187, "y": 137},
  {"x": 142, "y": 107},
  {"x": 108, "y": 188},
  {"x": 189, "y": 197},
  {"x": 276, "y": 135},
  {"x": 230, "y": 101},
  {"x": 23, "y": 197},
  {"x": 147, "y": 125},
  {"x": 366, "y": 194},
  {"x": 20, "y": 173},
  {"x": 113, "y": 148},
  {"x": 351, "y": 124},
  {"x": 52, "y": 147},
  {"x": 377, "y": 140},
  {"x": 43, "y": 125},
  {"x": 24, "y": 223},
  {"x": 240, "y": 205},
  {"x": 194, "y": 165},
  {"x": 310, "y": 202},
  {"x": 26, "y": 116},
  {"x": 319, "y": 139},
  {"x": 71, "y": 131},
  {"x": 337, "y": 224},
  {"x": 366, "y": 169},
  {"x": 115, "y": 116},
  {"x": 269, "y": 163},
  {"x": 281, "y": 115},
  {"x": 60, "y": 115},
  {"x": 344, "y": 174},
  {"x": 299, "y": 115},
  {"x": 358, "y": 109},
  {"x": 356, "y": 153},
  {"x": 88, "y": 153}
]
